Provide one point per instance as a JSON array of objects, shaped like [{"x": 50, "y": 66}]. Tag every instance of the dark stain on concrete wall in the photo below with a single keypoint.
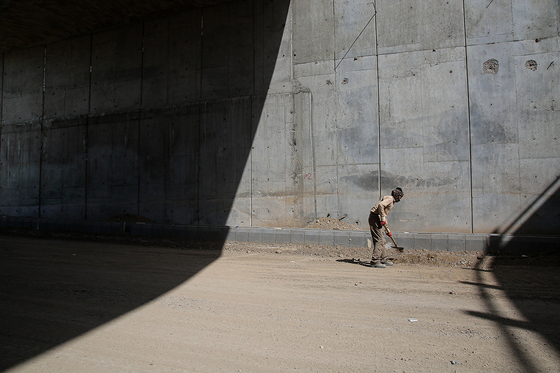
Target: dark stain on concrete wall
[{"x": 491, "y": 66}]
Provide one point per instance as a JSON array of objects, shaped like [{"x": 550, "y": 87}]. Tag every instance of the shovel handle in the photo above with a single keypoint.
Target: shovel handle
[{"x": 391, "y": 236}]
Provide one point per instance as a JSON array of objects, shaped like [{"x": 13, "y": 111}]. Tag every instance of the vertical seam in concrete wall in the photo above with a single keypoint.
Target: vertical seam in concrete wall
[
  {"x": 200, "y": 49},
  {"x": 253, "y": 130},
  {"x": 167, "y": 64},
  {"x": 314, "y": 162},
  {"x": 250, "y": 161},
  {"x": 41, "y": 124},
  {"x": 468, "y": 114},
  {"x": 2, "y": 99},
  {"x": 86, "y": 145},
  {"x": 139, "y": 125},
  {"x": 198, "y": 166},
  {"x": 167, "y": 136},
  {"x": 518, "y": 192},
  {"x": 378, "y": 104},
  {"x": 335, "y": 44},
  {"x": 337, "y": 104},
  {"x": 199, "y": 116}
]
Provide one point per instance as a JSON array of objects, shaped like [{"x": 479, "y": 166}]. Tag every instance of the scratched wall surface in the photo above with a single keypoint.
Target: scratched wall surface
[
  {"x": 467, "y": 143},
  {"x": 513, "y": 69},
  {"x": 275, "y": 113}
]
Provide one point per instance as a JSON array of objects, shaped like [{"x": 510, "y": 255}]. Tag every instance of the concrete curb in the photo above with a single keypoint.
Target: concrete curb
[{"x": 297, "y": 236}]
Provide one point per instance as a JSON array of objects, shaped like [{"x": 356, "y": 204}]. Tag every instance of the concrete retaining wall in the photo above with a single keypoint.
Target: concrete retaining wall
[{"x": 275, "y": 113}]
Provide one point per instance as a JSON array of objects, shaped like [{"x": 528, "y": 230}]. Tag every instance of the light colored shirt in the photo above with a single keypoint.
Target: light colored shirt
[{"x": 383, "y": 207}]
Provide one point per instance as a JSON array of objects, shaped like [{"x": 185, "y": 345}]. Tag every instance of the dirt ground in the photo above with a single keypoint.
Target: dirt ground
[{"x": 97, "y": 304}]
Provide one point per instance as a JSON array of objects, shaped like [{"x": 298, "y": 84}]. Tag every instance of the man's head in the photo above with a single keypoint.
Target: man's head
[{"x": 397, "y": 194}]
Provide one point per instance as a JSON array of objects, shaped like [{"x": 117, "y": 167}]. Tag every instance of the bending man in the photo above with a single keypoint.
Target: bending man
[{"x": 377, "y": 219}]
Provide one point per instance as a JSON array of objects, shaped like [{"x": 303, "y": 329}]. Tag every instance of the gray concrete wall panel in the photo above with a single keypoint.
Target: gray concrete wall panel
[
  {"x": 409, "y": 25},
  {"x": 112, "y": 180},
  {"x": 325, "y": 184},
  {"x": 357, "y": 192},
  {"x": 493, "y": 94},
  {"x": 224, "y": 149},
  {"x": 425, "y": 139},
  {"x": 227, "y": 51},
  {"x": 276, "y": 174},
  {"x": 512, "y": 112},
  {"x": 20, "y": 182},
  {"x": 313, "y": 38},
  {"x": 183, "y": 165},
  {"x": 495, "y": 185},
  {"x": 116, "y": 76},
  {"x": 23, "y": 85},
  {"x": 488, "y": 22},
  {"x": 357, "y": 137},
  {"x": 356, "y": 112},
  {"x": 425, "y": 91},
  {"x": 323, "y": 117},
  {"x": 510, "y": 20},
  {"x": 354, "y": 28},
  {"x": 63, "y": 169},
  {"x": 241, "y": 47},
  {"x": 494, "y": 127},
  {"x": 539, "y": 130},
  {"x": 1, "y": 92},
  {"x": 316, "y": 123},
  {"x": 240, "y": 213},
  {"x": 273, "y": 47},
  {"x": 67, "y": 78},
  {"x": 535, "y": 20},
  {"x": 215, "y": 55},
  {"x": 305, "y": 156},
  {"x": 246, "y": 115},
  {"x": 538, "y": 99},
  {"x": 153, "y": 154},
  {"x": 338, "y": 110},
  {"x": 184, "y": 57},
  {"x": 155, "y": 69}
]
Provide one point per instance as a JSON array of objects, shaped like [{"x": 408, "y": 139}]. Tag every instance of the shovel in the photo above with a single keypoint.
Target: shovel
[{"x": 400, "y": 248}]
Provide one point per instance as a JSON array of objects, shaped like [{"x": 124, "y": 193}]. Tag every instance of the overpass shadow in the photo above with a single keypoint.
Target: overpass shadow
[
  {"x": 54, "y": 290},
  {"x": 526, "y": 268},
  {"x": 176, "y": 164}
]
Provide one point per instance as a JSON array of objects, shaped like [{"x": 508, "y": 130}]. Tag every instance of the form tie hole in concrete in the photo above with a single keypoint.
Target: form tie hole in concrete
[
  {"x": 491, "y": 66},
  {"x": 531, "y": 65}
]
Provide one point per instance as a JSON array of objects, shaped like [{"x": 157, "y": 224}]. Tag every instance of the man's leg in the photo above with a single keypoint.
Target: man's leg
[{"x": 376, "y": 231}]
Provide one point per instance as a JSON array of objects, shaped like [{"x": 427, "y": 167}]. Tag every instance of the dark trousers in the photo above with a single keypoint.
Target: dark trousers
[{"x": 379, "y": 253}]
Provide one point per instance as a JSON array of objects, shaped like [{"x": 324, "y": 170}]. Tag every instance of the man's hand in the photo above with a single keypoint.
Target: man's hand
[{"x": 383, "y": 222}]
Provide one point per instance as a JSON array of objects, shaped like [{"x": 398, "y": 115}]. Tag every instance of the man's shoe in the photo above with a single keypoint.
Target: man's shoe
[
  {"x": 388, "y": 263},
  {"x": 378, "y": 265}
]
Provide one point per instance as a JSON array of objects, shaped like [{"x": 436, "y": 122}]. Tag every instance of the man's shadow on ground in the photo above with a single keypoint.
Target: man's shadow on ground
[{"x": 366, "y": 263}]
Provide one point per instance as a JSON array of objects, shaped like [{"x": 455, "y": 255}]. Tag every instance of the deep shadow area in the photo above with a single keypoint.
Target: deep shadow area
[
  {"x": 527, "y": 269},
  {"x": 33, "y": 22},
  {"x": 180, "y": 164},
  {"x": 54, "y": 290},
  {"x": 534, "y": 290}
]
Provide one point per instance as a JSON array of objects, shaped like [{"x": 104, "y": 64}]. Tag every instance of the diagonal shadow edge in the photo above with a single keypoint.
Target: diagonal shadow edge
[{"x": 526, "y": 271}]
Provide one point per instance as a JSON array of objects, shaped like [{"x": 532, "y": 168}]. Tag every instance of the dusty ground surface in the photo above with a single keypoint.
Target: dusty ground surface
[{"x": 98, "y": 304}]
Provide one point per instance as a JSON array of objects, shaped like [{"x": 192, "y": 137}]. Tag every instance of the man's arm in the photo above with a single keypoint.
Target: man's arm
[{"x": 384, "y": 207}]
